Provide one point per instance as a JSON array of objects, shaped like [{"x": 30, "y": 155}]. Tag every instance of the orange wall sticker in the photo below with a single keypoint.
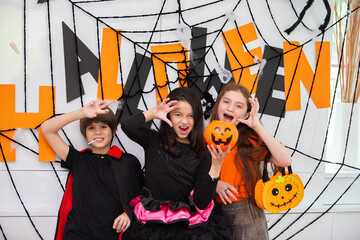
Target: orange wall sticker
[
  {"x": 25, "y": 120},
  {"x": 168, "y": 53},
  {"x": 7, "y": 147},
  {"x": 320, "y": 93},
  {"x": 239, "y": 58},
  {"x": 108, "y": 88}
]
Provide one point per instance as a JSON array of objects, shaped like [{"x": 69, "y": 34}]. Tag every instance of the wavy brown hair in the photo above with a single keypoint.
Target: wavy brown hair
[{"x": 249, "y": 157}]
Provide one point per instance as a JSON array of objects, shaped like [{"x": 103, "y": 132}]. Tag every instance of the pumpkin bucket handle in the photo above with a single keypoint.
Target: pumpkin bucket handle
[
  {"x": 289, "y": 169},
  {"x": 265, "y": 173}
]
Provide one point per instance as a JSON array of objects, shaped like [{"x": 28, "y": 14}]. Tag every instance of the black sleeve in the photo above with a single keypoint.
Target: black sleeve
[
  {"x": 134, "y": 129},
  {"x": 205, "y": 186},
  {"x": 130, "y": 180},
  {"x": 73, "y": 154}
]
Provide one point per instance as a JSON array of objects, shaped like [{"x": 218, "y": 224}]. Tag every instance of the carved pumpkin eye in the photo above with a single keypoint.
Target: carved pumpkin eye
[
  {"x": 275, "y": 191},
  {"x": 221, "y": 133},
  {"x": 288, "y": 187}
]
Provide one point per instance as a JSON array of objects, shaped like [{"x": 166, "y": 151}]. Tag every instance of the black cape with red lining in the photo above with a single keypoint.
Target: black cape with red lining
[{"x": 129, "y": 178}]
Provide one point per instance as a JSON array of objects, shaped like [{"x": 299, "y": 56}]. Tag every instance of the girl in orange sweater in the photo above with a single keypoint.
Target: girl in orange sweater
[{"x": 241, "y": 168}]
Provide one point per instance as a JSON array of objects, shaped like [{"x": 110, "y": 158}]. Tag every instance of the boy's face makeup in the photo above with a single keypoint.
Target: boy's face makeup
[
  {"x": 232, "y": 106},
  {"x": 100, "y": 135},
  {"x": 182, "y": 120}
]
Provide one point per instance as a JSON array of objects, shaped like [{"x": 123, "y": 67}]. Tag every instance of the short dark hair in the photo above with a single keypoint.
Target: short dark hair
[{"x": 107, "y": 118}]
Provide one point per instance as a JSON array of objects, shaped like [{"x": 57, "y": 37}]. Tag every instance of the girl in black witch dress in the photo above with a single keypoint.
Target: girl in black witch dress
[{"x": 180, "y": 174}]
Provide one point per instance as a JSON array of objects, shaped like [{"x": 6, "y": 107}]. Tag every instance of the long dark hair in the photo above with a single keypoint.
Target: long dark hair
[
  {"x": 196, "y": 136},
  {"x": 249, "y": 156}
]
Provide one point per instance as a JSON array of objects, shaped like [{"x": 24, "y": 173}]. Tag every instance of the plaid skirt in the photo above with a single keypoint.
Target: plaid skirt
[{"x": 249, "y": 221}]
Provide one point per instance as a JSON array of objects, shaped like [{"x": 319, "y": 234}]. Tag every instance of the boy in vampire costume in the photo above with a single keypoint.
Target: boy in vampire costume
[{"x": 102, "y": 180}]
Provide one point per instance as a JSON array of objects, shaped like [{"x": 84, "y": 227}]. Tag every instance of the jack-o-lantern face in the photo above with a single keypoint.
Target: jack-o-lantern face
[
  {"x": 280, "y": 193},
  {"x": 221, "y": 133}
]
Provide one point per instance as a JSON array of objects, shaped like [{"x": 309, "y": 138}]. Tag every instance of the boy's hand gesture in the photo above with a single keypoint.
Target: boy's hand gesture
[
  {"x": 122, "y": 223},
  {"x": 52, "y": 126},
  {"x": 95, "y": 107}
]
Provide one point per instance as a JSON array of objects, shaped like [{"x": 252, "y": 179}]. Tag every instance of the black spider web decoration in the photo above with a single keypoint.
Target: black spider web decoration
[{"x": 194, "y": 74}]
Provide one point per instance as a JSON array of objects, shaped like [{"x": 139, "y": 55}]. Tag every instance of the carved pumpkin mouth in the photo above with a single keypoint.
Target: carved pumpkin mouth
[
  {"x": 221, "y": 133},
  {"x": 220, "y": 141},
  {"x": 284, "y": 204}
]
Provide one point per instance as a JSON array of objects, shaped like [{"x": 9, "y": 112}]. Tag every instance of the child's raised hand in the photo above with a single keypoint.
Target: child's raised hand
[
  {"x": 218, "y": 155},
  {"x": 95, "y": 107},
  {"x": 217, "y": 158},
  {"x": 253, "y": 119},
  {"x": 161, "y": 110}
]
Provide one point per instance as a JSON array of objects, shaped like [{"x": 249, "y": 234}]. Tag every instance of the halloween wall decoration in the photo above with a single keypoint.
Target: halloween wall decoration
[
  {"x": 221, "y": 133},
  {"x": 280, "y": 192}
]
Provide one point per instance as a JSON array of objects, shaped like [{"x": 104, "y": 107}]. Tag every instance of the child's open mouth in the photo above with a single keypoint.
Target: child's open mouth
[
  {"x": 183, "y": 130},
  {"x": 227, "y": 118}
]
